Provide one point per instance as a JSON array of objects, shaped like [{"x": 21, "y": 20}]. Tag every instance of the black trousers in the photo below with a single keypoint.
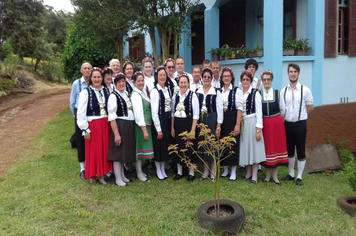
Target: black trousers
[
  {"x": 80, "y": 140},
  {"x": 296, "y": 133}
]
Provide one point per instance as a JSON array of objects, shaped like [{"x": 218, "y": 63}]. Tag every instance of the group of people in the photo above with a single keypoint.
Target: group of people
[{"x": 134, "y": 116}]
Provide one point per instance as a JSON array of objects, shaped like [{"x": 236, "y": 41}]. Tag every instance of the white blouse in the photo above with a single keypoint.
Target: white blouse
[
  {"x": 149, "y": 82},
  {"x": 155, "y": 104},
  {"x": 130, "y": 82},
  {"x": 180, "y": 109},
  {"x": 137, "y": 106},
  {"x": 82, "y": 118},
  {"x": 258, "y": 108},
  {"x": 268, "y": 95},
  {"x": 112, "y": 107},
  {"x": 239, "y": 98},
  {"x": 219, "y": 103}
]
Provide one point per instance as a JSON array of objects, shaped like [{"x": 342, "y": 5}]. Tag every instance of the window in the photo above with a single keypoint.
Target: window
[
  {"x": 343, "y": 27},
  {"x": 289, "y": 19},
  {"x": 197, "y": 28},
  {"x": 137, "y": 48}
]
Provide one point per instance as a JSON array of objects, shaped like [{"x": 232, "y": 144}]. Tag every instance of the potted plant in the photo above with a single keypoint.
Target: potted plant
[
  {"x": 289, "y": 46},
  {"x": 226, "y": 52},
  {"x": 233, "y": 53},
  {"x": 218, "y": 215},
  {"x": 216, "y": 53},
  {"x": 241, "y": 52},
  {"x": 348, "y": 203},
  {"x": 259, "y": 51},
  {"x": 302, "y": 47}
]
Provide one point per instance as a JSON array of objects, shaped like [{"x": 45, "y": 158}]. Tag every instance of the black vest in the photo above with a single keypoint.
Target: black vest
[
  {"x": 231, "y": 99},
  {"x": 121, "y": 105},
  {"x": 271, "y": 108},
  {"x": 187, "y": 104},
  {"x": 128, "y": 88},
  {"x": 250, "y": 102},
  {"x": 210, "y": 101},
  {"x": 93, "y": 108},
  {"x": 162, "y": 100}
]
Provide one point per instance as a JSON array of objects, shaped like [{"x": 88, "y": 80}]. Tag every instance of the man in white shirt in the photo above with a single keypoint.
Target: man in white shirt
[
  {"x": 252, "y": 66},
  {"x": 180, "y": 69},
  {"x": 216, "y": 72},
  {"x": 296, "y": 103},
  {"x": 196, "y": 82},
  {"x": 77, "y": 86}
]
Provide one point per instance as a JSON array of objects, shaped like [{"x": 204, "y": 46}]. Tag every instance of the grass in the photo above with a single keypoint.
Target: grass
[{"x": 43, "y": 195}]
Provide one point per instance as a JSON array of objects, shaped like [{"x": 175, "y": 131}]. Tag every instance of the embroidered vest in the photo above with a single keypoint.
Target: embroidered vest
[
  {"x": 231, "y": 99},
  {"x": 250, "y": 102},
  {"x": 162, "y": 100},
  {"x": 121, "y": 105},
  {"x": 271, "y": 108},
  {"x": 93, "y": 108},
  {"x": 128, "y": 88},
  {"x": 187, "y": 103},
  {"x": 210, "y": 101}
]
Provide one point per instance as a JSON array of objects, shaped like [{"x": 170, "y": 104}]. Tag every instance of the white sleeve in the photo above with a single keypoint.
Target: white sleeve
[
  {"x": 155, "y": 108},
  {"x": 82, "y": 119},
  {"x": 239, "y": 100},
  {"x": 258, "y": 108},
  {"x": 240, "y": 86},
  {"x": 173, "y": 104},
  {"x": 112, "y": 107},
  {"x": 308, "y": 97},
  {"x": 282, "y": 105},
  {"x": 195, "y": 106},
  {"x": 219, "y": 107},
  {"x": 137, "y": 108}
]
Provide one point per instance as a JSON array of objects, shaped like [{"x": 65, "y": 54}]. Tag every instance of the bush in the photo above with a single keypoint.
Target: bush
[
  {"x": 6, "y": 84},
  {"x": 345, "y": 155},
  {"x": 350, "y": 173},
  {"x": 51, "y": 70}
]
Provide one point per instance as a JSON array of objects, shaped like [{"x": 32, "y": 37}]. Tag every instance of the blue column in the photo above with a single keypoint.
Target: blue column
[
  {"x": 211, "y": 32},
  {"x": 184, "y": 47},
  {"x": 158, "y": 43},
  {"x": 273, "y": 39},
  {"x": 250, "y": 24},
  {"x": 126, "y": 46},
  {"x": 316, "y": 23}
]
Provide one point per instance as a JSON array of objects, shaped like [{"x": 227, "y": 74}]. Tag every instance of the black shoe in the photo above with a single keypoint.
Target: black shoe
[
  {"x": 288, "y": 178},
  {"x": 82, "y": 174},
  {"x": 224, "y": 176},
  {"x": 299, "y": 182},
  {"x": 244, "y": 177},
  {"x": 177, "y": 177},
  {"x": 278, "y": 183},
  {"x": 253, "y": 181},
  {"x": 191, "y": 178},
  {"x": 259, "y": 170}
]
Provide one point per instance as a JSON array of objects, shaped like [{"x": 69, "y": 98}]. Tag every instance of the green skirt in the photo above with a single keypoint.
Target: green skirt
[{"x": 144, "y": 149}]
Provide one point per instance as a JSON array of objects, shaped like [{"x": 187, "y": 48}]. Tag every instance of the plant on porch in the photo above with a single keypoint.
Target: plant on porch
[
  {"x": 302, "y": 47},
  {"x": 289, "y": 45}
]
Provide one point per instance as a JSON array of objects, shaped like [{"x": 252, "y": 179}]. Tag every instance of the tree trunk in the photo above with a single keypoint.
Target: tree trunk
[
  {"x": 119, "y": 50},
  {"x": 163, "y": 37},
  {"x": 153, "y": 42},
  {"x": 175, "y": 45},
  {"x": 37, "y": 63}
]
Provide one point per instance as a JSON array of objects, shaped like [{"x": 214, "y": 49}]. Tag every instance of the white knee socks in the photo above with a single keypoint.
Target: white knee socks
[
  {"x": 291, "y": 165},
  {"x": 301, "y": 165}
]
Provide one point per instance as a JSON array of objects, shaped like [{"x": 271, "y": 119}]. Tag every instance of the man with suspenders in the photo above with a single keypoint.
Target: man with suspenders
[
  {"x": 296, "y": 103},
  {"x": 77, "y": 86}
]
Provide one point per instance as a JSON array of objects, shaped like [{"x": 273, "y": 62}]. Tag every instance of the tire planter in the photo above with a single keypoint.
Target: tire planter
[
  {"x": 345, "y": 203},
  {"x": 228, "y": 224}
]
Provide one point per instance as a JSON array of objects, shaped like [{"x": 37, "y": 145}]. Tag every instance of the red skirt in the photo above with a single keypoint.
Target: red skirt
[
  {"x": 274, "y": 137},
  {"x": 97, "y": 149}
]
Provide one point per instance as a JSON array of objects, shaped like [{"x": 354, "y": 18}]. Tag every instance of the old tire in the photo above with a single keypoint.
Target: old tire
[
  {"x": 345, "y": 204},
  {"x": 231, "y": 223}
]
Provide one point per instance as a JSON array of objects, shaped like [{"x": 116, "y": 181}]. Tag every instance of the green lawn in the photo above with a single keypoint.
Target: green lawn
[{"x": 43, "y": 195}]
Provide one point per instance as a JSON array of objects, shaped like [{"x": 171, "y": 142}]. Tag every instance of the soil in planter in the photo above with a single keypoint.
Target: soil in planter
[
  {"x": 224, "y": 211},
  {"x": 352, "y": 202}
]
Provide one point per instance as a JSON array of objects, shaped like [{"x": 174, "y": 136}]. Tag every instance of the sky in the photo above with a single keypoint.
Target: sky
[{"x": 64, "y": 5}]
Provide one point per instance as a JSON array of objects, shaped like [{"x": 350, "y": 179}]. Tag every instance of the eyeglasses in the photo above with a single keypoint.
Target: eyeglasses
[
  {"x": 227, "y": 76},
  {"x": 267, "y": 80},
  {"x": 170, "y": 67},
  {"x": 246, "y": 80}
]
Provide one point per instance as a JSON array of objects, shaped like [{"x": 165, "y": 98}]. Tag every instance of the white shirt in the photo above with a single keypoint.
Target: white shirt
[
  {"x": 268, "y": 95},
  {"x": 137, "y": 106},
  {"x": 155, "y": 104},
  {"x": 130, "y": 82},
  {"x": 193, "y": 86},
  {"x": 239, "y": 98},
  {"x": 219, "y": 103},
  {"x": 216, "y": 83},
  {"x": 180, "y": 109},
  {"x": 82, "y": 118},
  {"x": 254, "y": 84},
  {"x": 290, "y": 111},
  {"x": 258, "y": 108},
  {"x": 112, "y": 107},
  {"x": 175, "y": 85},
  {"x": 149, "y": 82}
]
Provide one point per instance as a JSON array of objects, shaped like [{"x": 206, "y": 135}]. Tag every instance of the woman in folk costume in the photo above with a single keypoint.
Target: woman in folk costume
[
  {"x": 147, "y": 67},
  {"x": 142, "y": 111},
  {"x": 252, "y": 148},
  {"x": 129, "y": 70},
  {"x": 92, "y": 120},
  {"x": 122, "y": 147},
  {"x": 161, "y": 98},
  {"x": 274, "y": 134},
  {"x": 185, "y": 116},
  {"x": 233, "y": 102},
  {"x": 211, "y": 110}
]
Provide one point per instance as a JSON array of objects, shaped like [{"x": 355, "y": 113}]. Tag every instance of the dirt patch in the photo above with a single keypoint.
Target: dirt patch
[{"x": 23, "y": 116}]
